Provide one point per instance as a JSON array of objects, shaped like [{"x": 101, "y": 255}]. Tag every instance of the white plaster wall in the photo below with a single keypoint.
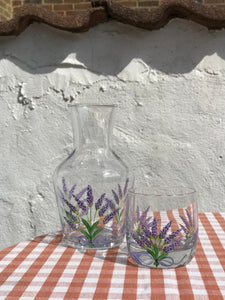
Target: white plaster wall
[{"x": 170, "y": 126}]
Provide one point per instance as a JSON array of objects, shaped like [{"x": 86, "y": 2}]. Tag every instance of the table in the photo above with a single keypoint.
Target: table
[{"x": 45, "y": 268}]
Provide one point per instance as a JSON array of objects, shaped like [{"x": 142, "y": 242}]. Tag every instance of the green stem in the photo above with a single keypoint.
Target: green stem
[
  {"x": 95, "y": 214},
  {"x": 160, "y": 240},
  {"x": 91, "y": 245},
  {"x": 90, "y": 217},
  {"x": 156, "y": 263}
]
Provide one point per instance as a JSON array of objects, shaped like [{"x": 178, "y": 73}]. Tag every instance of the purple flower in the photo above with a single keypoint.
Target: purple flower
[
  {"x": 145, "y": 240},
  {"x": 89, "y": 196},
  {"x": 145, "y": 230},
  {"x": 115, "y": 197},
  {"x": 137, "y": 239},
  {"x": 103, "y": 209},
  {"x": 189, "y": 217},
  {"x": 125, "y": 187},
  {"x": 148, "y": 223},
  {"x": 120, "y": 191},
  {"x": 144, "y": 215},
  {"x": 99, "y": 202},
  {"x": 71, "y": 191},
  {"x": 72, "y": 217},
  {"x": 184, "y": 229},
  {"x": 189, "y": 226},
  {"x": 165, "y": 229},
  {"x": 185, "y": 222},
  {"x": 110, "y": 216},
  {"x": 175, "y": 233},
  {"x": 81, "y": 205},
  {"x": 144, "y": 223},
  {"x": 138, "y": 214},
  {"x": 154, "y": 228},
  {"x": 72, "y": 207},
  {"x": 80, "y": 194},
  {"x": 170, "y": 238},
  {"x": 111, "y": 204},
  {"x": 172, "y": 246},
  {"x": 64, "y": 185},
  {"x": 71, "y": 225}
]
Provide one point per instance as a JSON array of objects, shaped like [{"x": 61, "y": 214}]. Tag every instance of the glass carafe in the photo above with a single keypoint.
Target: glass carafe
[{"x": 92, "y": 183}]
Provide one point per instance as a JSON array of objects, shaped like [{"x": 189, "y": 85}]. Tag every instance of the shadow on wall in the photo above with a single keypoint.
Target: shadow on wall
[{"x": 108, "y": 48}]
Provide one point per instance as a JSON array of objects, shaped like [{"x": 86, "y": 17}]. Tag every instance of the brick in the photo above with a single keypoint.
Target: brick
[
  {"x": 148, "y": 3},
  {"x": 53, "y": 1},
  {"x": 2, "y": 4},
  {"x": 74, "y": 1},
  {"x": 3, "y": 18},
  {"x": 63, "y": 7},
  {"x": 15, "y": 9},
  {"x": 83, "y": 6},
  {"x": 71, "y": 13},
  {"x": 142, "y": 9},
  {"x": 214, "y": 1},
  {"x": 7, "y": 15},
  {"x": 60, "y": 13},
  {"x": 16, "y": 3},
  {"x": 49, "y": 7},
  {"x": 8, "y": 8},
  {"x": 218, "y": 5},
  {"x": 33, "y": 1},
  {"x": 129, "y": 3}
]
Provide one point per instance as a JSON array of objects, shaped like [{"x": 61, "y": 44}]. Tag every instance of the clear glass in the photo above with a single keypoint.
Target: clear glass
[
  {"x": 162, "y": 226},
  {"x": 91, "y": 184}
]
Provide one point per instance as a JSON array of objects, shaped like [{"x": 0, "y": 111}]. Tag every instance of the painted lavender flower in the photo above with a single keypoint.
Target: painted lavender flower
[
  {"x": 157, "y": 243},
  {"x": 119, "y": 198},
  {"x": 83, "y": 213},
  {"x": 189, "y": 226}
]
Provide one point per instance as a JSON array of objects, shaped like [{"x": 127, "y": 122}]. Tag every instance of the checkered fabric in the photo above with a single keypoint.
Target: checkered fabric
[{"x": 45, "y": 269}]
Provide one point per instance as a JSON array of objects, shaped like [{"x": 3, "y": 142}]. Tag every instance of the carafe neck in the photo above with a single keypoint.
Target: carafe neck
[{"x": 92, "y": 126}]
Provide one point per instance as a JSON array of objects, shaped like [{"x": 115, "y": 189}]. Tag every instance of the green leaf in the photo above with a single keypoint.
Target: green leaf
[
  {"x": 152, "y": 253},
  {"x": 86, "y": 234},
  {"x": 93, "y": 226},
  {"x": 163, "y": 255},
  {"x": 117, "y": 220},
  {"x": 156, "y": 250},
  {"x": 96, "y": 232},
  {"x": 120, "y": 214},
  {"x": 70, "y": 219},
  {"x": 86, "y": 225}
]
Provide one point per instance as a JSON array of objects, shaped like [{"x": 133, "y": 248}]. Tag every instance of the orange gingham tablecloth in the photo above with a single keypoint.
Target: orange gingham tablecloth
[{"x": 45, "y": 269}]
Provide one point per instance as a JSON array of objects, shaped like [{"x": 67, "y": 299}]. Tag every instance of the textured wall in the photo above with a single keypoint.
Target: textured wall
[{"x": 170, "y": 126}]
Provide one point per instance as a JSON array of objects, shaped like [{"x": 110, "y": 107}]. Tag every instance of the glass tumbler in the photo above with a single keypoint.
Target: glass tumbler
[{"x": 161, "y": 226}]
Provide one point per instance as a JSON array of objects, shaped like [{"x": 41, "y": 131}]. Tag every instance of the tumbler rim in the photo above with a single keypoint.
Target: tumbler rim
[{"x": 187, "y": 191}]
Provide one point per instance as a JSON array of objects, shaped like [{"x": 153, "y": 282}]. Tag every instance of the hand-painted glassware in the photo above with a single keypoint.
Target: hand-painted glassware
[
  {"x": 162, "y": 226},
  {"x": 91, "y": 184}
]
